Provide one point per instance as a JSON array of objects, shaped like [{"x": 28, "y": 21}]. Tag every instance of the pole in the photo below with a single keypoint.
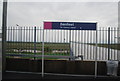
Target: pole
[
  {"x": 70, "y": 44},
  {"x": 96, "y": 54},
  {"x": 109, "y": 43},
  {"x": 43, "y": 55},
  {"x": 34, "y": 42},
  {"x": 4, "y": 27},
  {"x": 118, "y": 42}
]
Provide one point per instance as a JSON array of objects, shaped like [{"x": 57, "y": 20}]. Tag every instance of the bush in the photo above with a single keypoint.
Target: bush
[{"x": 47, "y": 49}]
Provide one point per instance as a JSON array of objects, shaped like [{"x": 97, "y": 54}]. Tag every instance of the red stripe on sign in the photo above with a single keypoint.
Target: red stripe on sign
[{"x": 47, "y": 25}]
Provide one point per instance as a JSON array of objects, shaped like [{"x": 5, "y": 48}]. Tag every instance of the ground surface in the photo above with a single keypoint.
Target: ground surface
[{"x": 9, "y": 76}]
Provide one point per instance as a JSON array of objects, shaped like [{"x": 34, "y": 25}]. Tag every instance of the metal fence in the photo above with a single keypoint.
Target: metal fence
[{"x": 26, "y": 42}]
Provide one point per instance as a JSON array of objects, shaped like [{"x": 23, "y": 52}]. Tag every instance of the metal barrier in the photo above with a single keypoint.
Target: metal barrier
[{"x": 28, "y": 40}]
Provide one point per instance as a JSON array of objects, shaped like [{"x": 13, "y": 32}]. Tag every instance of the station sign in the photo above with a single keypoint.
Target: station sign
[{"x": 70, "y": 25}]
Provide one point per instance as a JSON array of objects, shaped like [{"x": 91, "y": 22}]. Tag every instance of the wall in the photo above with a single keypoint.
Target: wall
[{"x": 57, "y": 66}]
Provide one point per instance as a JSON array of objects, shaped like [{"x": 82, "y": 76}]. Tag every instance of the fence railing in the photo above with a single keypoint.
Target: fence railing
[{"x": 27, "y": 41}]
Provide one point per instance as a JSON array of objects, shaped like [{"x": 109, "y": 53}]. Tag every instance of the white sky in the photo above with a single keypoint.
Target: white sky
[{"x": 34, "y": 13}]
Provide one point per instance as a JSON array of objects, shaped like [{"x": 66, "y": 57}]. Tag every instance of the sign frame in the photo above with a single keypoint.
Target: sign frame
[{"x": 70, "y": 36}]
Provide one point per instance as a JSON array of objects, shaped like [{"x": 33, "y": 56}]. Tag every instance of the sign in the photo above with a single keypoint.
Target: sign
[{"x": 70, "y": 25}]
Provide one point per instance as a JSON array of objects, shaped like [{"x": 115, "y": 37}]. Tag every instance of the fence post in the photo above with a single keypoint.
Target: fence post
[
  {"x": 118, "y": 42},
  {"x": 43, "y": 54},
  {"x": 34, "y": 42},
  {"x": 71, "y": 54},
  {"x": 96, "y": 52},
  {"x": 109, "y": 43}
]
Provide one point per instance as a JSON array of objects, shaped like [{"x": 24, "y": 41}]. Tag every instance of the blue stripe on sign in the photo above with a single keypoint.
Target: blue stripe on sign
[{"x": 73, "y": 26}]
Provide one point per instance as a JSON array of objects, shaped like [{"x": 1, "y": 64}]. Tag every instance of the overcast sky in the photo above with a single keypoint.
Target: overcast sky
[{"x": 34, "y": 13}]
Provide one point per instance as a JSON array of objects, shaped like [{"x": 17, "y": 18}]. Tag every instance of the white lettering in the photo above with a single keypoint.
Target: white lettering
[{"x": 66, "y": 24}]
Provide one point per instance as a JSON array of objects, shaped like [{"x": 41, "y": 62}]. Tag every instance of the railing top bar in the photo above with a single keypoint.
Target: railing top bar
[{"x": 42, "y": 28}]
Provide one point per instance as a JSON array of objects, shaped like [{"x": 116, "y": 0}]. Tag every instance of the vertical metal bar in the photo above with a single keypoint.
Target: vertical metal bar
[
  {"x": 43, "y": 55},
  {"x": 52, "y": 44},
  {"x": 34, "y": 41},
  {"x": 103, "y": 52},
  {"x": 58, "y": 36},
  {"x": 8, "y": 43},
  {"x": 75, "y": 42},
  {"x": 13, "y": 35},
  {"x": 50, "y": 40},
  {"x": 106, "y": 49},
  {"x": 18, "y": 39},
  {"x": 51, "y": 33},
  {"x": 109, "y": 43},
  {"x": 111, "y": 35},
  {"x": 37, "y": 41},
  {"x": 67, "y": 38},
  {"x": 84, "y": 43},
  {"x": 7, "y": 40},
  {"x": 4, "y": 27},
  {"x": 16, "y": 36},
  {"x": 70, "y": 43},
  {"x": 26, "y": 37},
  {"x": 21, "y": 40},
  {"x": 55, "y": 36},
  {"x": 29, "y": 40},
  {"x": 67, "y": 41},
  {"x": 13, "y": 38},
  {"x": 53, "y": 41},
  {"x": 11, "y": 44},
  {"x": 78, "y": 42},
  {"x": 88, "y": 55},
  {"x": 114, "y": 30},
  {"x": 56, "y": 40},
  {"x": 46, "y": 41},
  {"x": 32, "y": 47},
  {"x": 96, "y": 53},
  {"x": 39, "y": 34},
  {"x": 100, "y": 43},
  {"x": 118, "y": 42},
  {"x": 81, "y": 42},
  {"x": 24, "y": 44},
  {"x": 90, "y": 45},
  {"x": 61, "y": 40},
  {"x": 40, "y": 39},
  {"x": 64, "y": 42},
  {"x": 93, "y": 46}
]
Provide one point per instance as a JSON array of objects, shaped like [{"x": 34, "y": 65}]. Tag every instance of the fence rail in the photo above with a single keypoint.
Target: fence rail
[{"x": 28, "y": 40}]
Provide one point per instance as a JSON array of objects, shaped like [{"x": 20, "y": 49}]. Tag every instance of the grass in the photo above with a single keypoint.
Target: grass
[
  {"x": 48, "y": 48},
  {"x": 112, "y": 46},
  {"x": 30, "y": 45}
]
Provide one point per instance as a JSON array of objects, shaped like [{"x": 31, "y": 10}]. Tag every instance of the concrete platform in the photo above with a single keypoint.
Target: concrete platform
[{"x": 32, "y": 76}]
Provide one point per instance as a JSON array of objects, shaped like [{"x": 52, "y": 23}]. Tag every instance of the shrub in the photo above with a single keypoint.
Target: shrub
[{"x": 47, "y": 49}]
